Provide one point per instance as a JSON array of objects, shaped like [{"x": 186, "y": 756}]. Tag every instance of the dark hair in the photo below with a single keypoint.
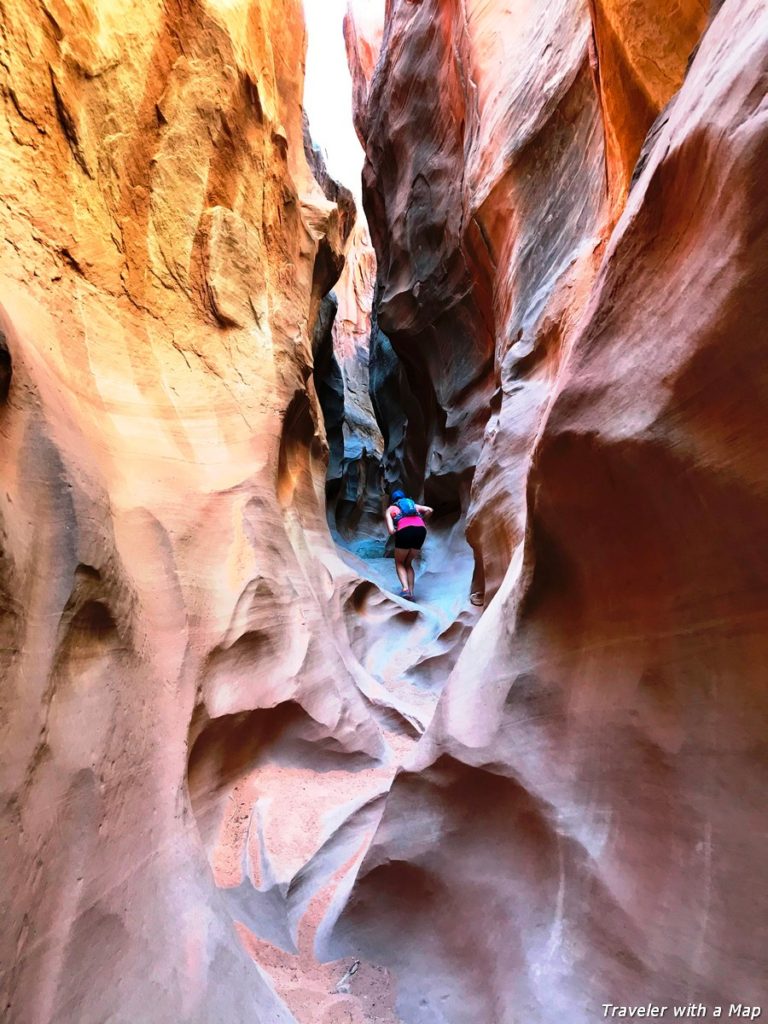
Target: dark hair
[{"x": 397, "y": 495}]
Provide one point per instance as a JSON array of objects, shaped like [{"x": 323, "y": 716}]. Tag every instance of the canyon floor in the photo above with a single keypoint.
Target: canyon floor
[{"x": 292, "y": 812}]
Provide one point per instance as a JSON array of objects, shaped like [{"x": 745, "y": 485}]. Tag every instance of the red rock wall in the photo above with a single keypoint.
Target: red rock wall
[
  {"x": 363, "y": 33},
  {"x": 184, "y": 654},
  {"x": 427, "y": 305},
  {"x": 582, "y": 822},
  {"x": 482, "y": 253},
  {"x": 489, "y": 207},
  {"x": 165, "y": 249},
  {"x": 641, "y": 52}
]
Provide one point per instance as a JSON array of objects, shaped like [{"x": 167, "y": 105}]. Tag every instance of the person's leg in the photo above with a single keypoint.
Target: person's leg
[
  {"x": 402, "y": 573},
  {"x": 418, "y": 537},
  {"x": 410, "y": 570}
]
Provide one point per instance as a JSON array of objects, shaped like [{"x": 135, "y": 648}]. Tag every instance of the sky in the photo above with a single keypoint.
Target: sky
[{"x": 328, "y": 92}]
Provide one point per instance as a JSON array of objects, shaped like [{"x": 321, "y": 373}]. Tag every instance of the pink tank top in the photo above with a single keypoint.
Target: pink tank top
[{"x": 403, "y": 521}]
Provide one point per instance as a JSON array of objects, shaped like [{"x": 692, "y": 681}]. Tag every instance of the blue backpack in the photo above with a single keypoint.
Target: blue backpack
[{"x": 407, "y": 507}]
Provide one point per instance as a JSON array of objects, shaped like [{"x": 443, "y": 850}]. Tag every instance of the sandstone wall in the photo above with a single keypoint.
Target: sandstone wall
[
  {"x": 351, "y": 340},
  {"x": 358, "y": 501},
  {"x": 363, "y": 33},
  {"x": 640, "y": 52},
  {"x": 165, "y": 250},
  {"x": 197, "y": 692},
  {"x": 489, "y": 200},
  {"x": 581, "y": 823},
  {"x": 479, "y": 245}
]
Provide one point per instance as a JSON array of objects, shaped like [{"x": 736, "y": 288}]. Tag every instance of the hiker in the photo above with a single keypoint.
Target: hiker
[{"x": 405, "y": 520}]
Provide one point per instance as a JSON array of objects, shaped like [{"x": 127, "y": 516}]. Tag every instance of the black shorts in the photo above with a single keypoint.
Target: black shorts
[{"x": 410, "y": 537}]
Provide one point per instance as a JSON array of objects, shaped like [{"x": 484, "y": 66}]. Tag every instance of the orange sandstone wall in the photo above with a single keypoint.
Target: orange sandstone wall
[
  {"x": 642, "y": 50},
  {"x": 164, "y": 548}
]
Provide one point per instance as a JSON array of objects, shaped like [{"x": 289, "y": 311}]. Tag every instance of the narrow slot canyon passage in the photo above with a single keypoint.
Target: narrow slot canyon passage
[
  {"x": 287, "y": 813},
  {"x": 262, "y": 264}
]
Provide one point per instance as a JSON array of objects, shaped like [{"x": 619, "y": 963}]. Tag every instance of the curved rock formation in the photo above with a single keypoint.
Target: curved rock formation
[
  {"x": 329, "y": 385},
  {"x": 582, "y": 823},
  {"x": 392, "y": 401},
  {"x": 206, "y": 707},
  {"x": 489, "y": 209},
  {"x": 363, "y": 33},
  {"x": 641, "y": 55},
  {"x": 351, "y": 339},
  {"x": 166, "y": 249},
  {"x": 482, "y": 254}
]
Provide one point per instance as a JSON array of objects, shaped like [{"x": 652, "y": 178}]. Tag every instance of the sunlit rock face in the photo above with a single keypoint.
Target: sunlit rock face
[
  {"x": 641, "y": 54},
  {"x": 351, "y": 339},
  {"x": 363, "y": 32},
  {"x": 164, "y": 551},
  {"x": 582, "y": 823}
]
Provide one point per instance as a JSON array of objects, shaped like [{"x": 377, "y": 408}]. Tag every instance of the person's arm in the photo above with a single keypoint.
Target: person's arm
[
  {"x": 388, "y": 521},
  {"x": 424, "y": 510}
]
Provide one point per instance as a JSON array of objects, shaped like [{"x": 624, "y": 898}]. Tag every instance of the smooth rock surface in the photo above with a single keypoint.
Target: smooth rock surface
[
  {"x": 165, "y": 252},
  {"x": 183, "y": 686},
  {"x": 583, "y": 821},
  {"x": 489, "y": 202},
  {"x": 641, "y": 54},
  {"x": 484, "y": 258}
]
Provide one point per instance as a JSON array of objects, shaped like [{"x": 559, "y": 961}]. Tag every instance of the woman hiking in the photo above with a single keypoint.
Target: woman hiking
[{"x": 405, "y": 520}]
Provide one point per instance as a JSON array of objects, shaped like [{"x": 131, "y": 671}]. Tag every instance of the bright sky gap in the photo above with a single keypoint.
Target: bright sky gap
[{"x": 328, "y": 92}]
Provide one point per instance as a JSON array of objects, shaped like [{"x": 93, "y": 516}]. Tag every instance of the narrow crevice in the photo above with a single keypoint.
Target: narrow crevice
[{"x": 6, "y": 369}]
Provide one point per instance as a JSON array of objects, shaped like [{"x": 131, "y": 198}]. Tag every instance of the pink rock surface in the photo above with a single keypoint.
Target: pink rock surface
[
  {"x": 165, "y": 557},
  {"x": 489, "y": 200},
  {"x": 582, "y": 823},
  {"x": 363, "y": 32},
  {"x": 484, "y": 258}
]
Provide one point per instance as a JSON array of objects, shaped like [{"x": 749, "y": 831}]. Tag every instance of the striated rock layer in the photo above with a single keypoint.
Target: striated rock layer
[
  {"x": 351, "y": 338},
  {"x": 168, "y": 594},
  {"x": 489, "y": 202},
  {"x": 582, "y": 822}
]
